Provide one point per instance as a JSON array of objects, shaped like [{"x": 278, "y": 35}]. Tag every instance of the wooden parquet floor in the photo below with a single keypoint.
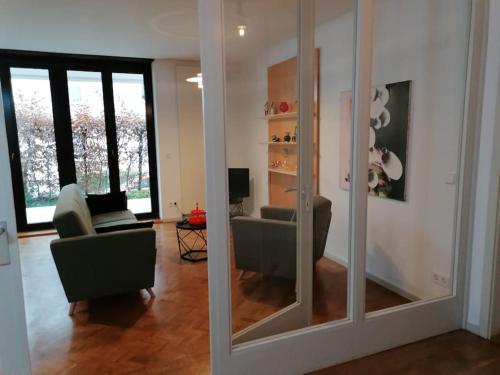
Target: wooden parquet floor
[
  {"x": 133, "y": 334},
  {"x": 455, "y": 353}
]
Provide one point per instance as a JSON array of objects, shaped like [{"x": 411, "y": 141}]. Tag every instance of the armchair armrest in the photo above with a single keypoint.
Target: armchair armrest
[
  {"x": 278, "y": 213},
  {"x": 97, "y": 265},
  {"x": 266, "y": 246}
]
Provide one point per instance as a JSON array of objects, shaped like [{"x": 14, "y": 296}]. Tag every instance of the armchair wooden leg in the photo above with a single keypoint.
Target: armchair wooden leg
[
  {"x": 151, "y": 293},
  {"x": 72, "y": 308},
  {"x": 242, "y": 273}
]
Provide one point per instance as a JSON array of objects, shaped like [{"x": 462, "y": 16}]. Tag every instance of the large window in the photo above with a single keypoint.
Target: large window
[
  {"x": 37, "y": 144},
  {"x": 132, "y": 136},
  {"x": 90, "y": 148},
  {"x": 78, "y": 119}
]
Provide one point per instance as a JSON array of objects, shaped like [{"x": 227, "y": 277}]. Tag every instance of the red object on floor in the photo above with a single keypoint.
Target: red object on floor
[{"x": 198, "y": 217}]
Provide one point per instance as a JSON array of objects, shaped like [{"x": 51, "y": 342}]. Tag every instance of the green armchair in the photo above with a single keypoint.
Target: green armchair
[{"x": 267, "y": 245}]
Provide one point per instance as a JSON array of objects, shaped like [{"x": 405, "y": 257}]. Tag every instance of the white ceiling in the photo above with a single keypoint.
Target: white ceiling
[{"x": 144, "y": 28}]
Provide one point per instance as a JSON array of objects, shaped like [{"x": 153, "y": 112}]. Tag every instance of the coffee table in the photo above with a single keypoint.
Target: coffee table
[{"x": 192, "y": 241}]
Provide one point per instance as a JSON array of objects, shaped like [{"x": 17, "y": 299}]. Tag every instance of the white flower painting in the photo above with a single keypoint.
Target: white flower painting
[{"x": 388, "y": 140}]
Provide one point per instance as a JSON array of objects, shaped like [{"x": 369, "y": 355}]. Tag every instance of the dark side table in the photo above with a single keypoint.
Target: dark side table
[{"x": 192, "y": 241}]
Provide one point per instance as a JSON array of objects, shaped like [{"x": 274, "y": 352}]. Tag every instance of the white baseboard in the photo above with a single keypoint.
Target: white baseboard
[
  {"x": 370, "y": 276},
  {"x": 473, "y": 328}
]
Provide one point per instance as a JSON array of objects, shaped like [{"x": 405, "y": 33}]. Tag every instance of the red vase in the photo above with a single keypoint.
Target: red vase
[{"x": 284, "y": 107}]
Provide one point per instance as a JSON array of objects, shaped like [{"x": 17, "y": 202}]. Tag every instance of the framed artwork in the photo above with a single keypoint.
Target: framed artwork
[{"x": 389, "y": 123}]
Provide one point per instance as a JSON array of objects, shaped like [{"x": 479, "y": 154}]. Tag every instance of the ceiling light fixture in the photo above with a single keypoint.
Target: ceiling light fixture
[
  {"x": 198, "y": 79},
  {"x": 242, "y": 30}
]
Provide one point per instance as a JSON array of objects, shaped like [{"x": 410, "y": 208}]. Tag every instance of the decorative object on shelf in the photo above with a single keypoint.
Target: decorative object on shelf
[
  {"x": 275, "y": 138},
  {"x": 390, "y": 109},
  {"x": 275, "y": 164},
  {"x": 266, "y": 109},
  {"x": 272, "y": 109},
  {"x": 284, "y": 107},
  {"x": 282, "y": 90}
]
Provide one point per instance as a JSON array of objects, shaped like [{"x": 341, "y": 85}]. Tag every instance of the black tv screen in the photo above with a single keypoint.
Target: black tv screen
[{"x": 239, "y": 182}]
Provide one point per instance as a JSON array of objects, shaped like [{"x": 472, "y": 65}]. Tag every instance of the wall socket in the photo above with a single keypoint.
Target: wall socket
[
  {"x": 441, "y": 279},
  {"x": 172, "y": 204}
]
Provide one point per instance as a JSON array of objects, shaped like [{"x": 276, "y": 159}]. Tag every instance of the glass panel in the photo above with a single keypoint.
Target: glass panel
[
  {"x": 419, "y": 74},
  {"x": 37, "y": 146},
  {"x": 132, "y": 135},
  {"x": 89, "y": 131},
  {"x": 262, "y": 135},
  {"x": 261, "y": 86},
  {"x": 334, "y": 39}
]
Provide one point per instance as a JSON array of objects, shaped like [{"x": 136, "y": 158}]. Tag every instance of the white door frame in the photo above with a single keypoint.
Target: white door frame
[
  {"x": 14, "y": 350},
  {"x": 334, "y": 342}
]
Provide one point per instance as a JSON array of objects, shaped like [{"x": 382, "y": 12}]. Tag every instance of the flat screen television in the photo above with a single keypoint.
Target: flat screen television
[{"x": 239, "y": 183}]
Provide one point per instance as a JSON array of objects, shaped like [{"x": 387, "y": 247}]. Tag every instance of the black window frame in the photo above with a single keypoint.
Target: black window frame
[{"x": 57, "y": 64}]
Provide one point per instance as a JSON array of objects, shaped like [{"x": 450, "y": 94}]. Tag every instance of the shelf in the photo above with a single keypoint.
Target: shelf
[
  {"x": 283, "y": 171},
  {"x": 280, "y": 143},
  {"x": 280, "y": 116}
]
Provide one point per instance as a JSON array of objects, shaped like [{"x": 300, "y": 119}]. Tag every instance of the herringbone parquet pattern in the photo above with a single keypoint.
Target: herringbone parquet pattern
[{"x": 169, "y": 335}]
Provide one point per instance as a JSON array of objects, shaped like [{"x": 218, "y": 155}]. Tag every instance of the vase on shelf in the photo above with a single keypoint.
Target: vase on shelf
[
  {"x": 266, "y": 109},
  {"x": 287, "y": 137},
  {"x": 272, "y": 109}
]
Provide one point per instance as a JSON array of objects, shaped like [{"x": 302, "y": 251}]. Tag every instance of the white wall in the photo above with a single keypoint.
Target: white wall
[
  {"x": 423, "y": 41},
  {"x": 167, "y": 136},
  {"x": 191, "y": 150},
  {"x": 177, "y": 117}
]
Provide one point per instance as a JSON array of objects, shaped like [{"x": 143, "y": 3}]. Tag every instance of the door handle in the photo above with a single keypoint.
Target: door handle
[{"x": 4, "y": 245}]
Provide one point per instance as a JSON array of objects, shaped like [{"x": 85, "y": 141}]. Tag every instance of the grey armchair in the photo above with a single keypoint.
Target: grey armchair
[{"x": 268, "y": 244}]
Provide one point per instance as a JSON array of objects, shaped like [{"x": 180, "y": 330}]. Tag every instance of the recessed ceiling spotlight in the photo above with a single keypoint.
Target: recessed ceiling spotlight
[
  {"x": 198, "y": 79},
  {"x": 242, "y": 30}
]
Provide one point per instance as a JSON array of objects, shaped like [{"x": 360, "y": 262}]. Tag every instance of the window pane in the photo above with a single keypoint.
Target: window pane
[
  {"x": 132, "y": 136},
  {"x": 37, "y": 146},
  {"x": 89, "y": 131}
]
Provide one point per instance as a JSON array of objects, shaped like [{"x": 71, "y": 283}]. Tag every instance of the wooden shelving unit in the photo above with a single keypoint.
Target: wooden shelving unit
[
  {"x": 283, "y": 171},
  {"x": 282, "y": 83},
  {"x": 285, "y": 144},
  {"x": 280, "y": 116}
]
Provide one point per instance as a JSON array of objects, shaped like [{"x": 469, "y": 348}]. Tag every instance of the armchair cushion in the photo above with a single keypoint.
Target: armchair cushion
[
  {"x": 278, "y": 213},
  {"x": 113, "y": 227},
  {"x": 269, "y": 245},
  {"x": 99, "y": 265},
  {"x": 265, "y": 245}
]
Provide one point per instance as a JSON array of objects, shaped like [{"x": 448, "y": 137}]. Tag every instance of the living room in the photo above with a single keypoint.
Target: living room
[{"x": 122, "y": 151}]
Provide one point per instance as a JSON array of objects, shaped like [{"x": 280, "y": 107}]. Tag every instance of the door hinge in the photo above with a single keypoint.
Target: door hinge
[{"x": 4, "y": 245}]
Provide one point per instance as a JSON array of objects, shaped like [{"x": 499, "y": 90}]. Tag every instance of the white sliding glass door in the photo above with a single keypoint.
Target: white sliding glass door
[{"x": 354, "y": 108}]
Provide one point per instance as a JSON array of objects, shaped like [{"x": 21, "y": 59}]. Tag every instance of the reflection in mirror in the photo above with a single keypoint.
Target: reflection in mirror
[
  {"x": 262, "y": 147},
  {"x": 334, "y": 39},
  {"x": 261, "y": 82},
  {"x": 415, "y": 133}
]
